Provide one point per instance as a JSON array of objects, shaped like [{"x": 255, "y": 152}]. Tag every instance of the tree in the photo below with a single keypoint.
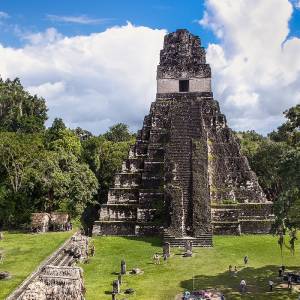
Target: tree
[
  {"x": 17, "y": 154},
  {"x": 104, "y": 159},
  {"x": 39, "y": 175},
  {"x": 61, "y": 182},
  {"x": 118, "y": 133},
  {"x": 264, "y": 156},
  {"x": 82, "y": 134},
  {"x": 20, "y": 111},
  {"x": 56, "y": 130},
  {"x": 289, "y": 131}
]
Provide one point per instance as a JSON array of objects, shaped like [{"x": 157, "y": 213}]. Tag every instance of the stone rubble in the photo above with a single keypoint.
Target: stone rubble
[{"x": 60, "y": 280}]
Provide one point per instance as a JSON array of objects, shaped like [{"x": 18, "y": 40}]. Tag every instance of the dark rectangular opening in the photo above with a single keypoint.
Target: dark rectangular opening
[{"x": 183, "y": 85}]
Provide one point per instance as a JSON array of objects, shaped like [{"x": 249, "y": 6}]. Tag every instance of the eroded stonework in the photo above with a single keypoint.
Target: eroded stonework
[{"x": 185, "y": 176}]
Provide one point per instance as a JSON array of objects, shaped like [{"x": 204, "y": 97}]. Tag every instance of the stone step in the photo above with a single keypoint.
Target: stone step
[{"x": 197, "y": 242}]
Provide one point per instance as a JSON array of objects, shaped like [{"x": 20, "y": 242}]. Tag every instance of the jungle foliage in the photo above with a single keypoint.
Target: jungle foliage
[
  {"x": 276, "y": 161},
  {"x": 53, "y": 169}
]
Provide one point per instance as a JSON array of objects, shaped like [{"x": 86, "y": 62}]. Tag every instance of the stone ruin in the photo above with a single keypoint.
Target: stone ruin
[
  {"x": 56, "y": 282},
  {"x": 185, "y": 177},
  {"x": 58, "y": 277},
  {"x": 54, "y": 221}
]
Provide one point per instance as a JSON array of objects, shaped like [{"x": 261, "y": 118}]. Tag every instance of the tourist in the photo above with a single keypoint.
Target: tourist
[
  {"x": 246, "y": 260},
  {"x": 280, "y": 272},
  {"x": 222, "y": 297},
  {"x": 93, "y": 250},
  {"x": 271, "y": 285},
  {"x": 289, "y": 281},
  {"x": 235, "y": 271},
  {"x": 156, "y": 259},
  {"x": 165, "y": 256},
  {"x": 243, "y": 286},
  {"x": 230, "y": 268},
  {"x": 186, "y": 295}
]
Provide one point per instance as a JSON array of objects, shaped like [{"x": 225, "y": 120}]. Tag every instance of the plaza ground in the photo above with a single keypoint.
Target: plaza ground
[
  {"x": 23, "y": 253},
  {"x": 208, "y": 267}
]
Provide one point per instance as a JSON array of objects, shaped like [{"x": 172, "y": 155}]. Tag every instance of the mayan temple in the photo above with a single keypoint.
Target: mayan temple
[{"x": 185, "y": 177}]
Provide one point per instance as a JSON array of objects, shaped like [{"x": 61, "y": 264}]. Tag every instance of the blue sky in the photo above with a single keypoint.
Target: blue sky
[
  {"x": 35, "y": 15},
  {"x": 94, "y": 69}
]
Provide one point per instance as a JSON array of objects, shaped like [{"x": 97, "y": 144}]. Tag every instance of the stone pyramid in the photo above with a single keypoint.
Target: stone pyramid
[{"x": 185, "y": 178}]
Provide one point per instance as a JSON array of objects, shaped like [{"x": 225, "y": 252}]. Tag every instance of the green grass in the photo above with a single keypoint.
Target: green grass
[
  {"x": 23, "y": 253},
  {"x": 209, "y": 267}
]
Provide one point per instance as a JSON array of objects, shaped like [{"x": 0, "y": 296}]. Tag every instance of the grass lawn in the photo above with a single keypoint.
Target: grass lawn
[
  {"x": 209, "y": 267},
  {"x": 23, "y": 253}
]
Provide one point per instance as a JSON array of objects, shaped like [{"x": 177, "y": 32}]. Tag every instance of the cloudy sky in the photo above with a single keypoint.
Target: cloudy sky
[{"x": 95, "y": 61}]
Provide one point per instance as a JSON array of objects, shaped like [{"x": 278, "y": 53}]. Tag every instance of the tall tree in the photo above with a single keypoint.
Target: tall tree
[
  {"x": 20, "y": 111},
  {"x": 118, "y": 133}
]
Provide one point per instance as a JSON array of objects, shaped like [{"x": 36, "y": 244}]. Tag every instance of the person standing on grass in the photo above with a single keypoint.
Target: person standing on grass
[
  {"x": 289, "y": 282},
  {"x": 243, "y": 286},
  {"x": 156, "y": 259},
  {"x": 246, "y": 260},
  {"x": 93, "y": 250},
  {"x": 230, "y": 268},
  {"x": 271, "y": 283}
]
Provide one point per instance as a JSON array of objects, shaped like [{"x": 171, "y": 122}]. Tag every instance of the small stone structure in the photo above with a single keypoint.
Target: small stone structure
[
  {"x": 185, "y": 177},
  {"x": 59, "y": 221},
  {"x": 123, "y": 267},
  {"x": 188, "y": 246},
  {"x": 166, "y": 249},
  {"x": 116, "y": 286},
  {"x": 40, "y": 222},
  {"x": 4, "y": 275},
  {"x": 55, "y": 221}
]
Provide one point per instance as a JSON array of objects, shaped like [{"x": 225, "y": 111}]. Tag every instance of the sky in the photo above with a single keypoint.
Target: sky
[{"x": 95, "y": 61}]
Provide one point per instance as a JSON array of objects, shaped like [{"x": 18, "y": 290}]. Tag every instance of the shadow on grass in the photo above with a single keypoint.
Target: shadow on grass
[
  {"x": 153, "y": 240},
  {"x": 257, "y": 283}
]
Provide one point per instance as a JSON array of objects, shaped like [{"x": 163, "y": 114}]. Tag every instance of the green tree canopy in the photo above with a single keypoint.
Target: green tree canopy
[
  {"x": 118, "y": 133},
  {"x": 20, "y": 111}
]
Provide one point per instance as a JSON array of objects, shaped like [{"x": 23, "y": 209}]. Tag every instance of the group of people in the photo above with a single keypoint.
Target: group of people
[
  {"x": 157, "y": 257},
  {"x": 281, "y": 272},
  {"x": 68, "y": 226}
]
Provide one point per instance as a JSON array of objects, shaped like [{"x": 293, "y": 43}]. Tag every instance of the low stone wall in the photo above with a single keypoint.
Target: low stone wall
[
  {"x": 226, "y": 228},
  {"x": 254, "y": 218},
  {"x": 114, "y": 228},
  {"x": 148, "y": 230},
  {"x": 256, "y": 226}
]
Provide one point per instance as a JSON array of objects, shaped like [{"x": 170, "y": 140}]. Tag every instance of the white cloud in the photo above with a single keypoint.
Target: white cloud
[
  {"x": 297, "y": 4},
  {"x": 90, "y": 81},
  {"x": 4, "y": 15},
  {"x": 82, "y": 19},
  {"x": 50, "y": 35},
  {"x": 256, "y": 69}
]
